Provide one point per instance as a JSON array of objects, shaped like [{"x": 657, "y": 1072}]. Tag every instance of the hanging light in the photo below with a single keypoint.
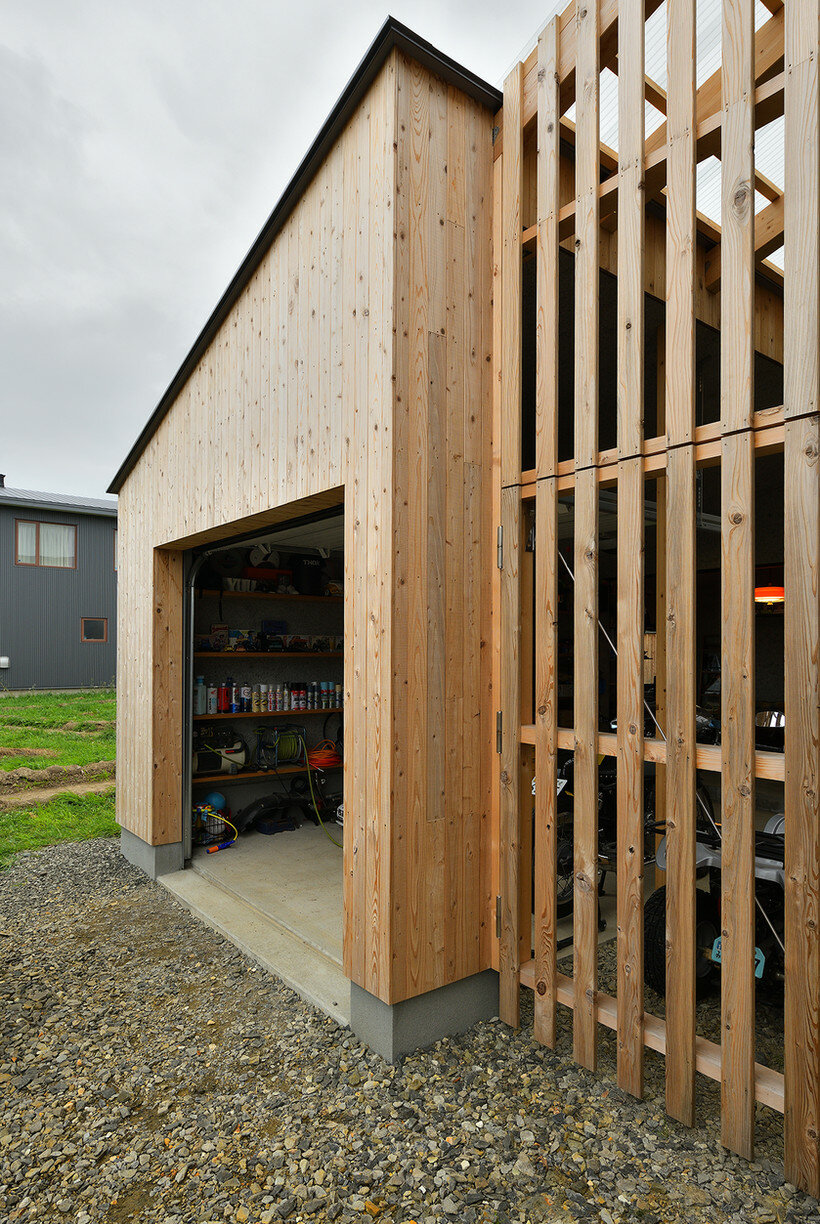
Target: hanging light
[{"x": 770, "y": 594}]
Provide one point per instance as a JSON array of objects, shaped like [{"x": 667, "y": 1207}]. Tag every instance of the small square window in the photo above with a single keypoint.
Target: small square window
[{"x": 94, "y": 629}]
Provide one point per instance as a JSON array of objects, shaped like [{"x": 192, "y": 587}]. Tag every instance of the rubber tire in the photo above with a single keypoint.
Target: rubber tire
[{"x": 654, "y": 941}]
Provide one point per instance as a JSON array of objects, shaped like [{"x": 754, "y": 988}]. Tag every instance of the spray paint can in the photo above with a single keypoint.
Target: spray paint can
[
  {"x": 234, "y": 698},
  {"x": 245, "y": 698},
  {"x": 223, "y": 699},
  {"x": 213, "y": 699},
  {"x": 255, "y": 699}
]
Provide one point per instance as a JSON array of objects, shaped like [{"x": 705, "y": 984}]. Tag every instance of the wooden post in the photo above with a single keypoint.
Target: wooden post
[
  {"x": 510, "y": 699},
  {"x": 737, "y": 579},
  {"x": 802, "y": 606},
  {"x": 680, "y": 565},
  {"x": 546, "y": 536},
  {"x": 587, "y": 174},
  {"x": 166, "y": 709},
  {"x": 631, "y": 226}
]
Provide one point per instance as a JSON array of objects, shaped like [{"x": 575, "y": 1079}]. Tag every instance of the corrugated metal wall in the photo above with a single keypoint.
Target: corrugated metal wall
[{"x": 41, "y": 609}]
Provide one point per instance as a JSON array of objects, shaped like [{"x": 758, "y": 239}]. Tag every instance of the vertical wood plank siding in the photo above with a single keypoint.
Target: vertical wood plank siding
[{"x": 353, "y": 367}]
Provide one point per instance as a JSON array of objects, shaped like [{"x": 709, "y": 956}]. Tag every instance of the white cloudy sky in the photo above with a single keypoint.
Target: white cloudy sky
[{"x": 142, "y": 146}]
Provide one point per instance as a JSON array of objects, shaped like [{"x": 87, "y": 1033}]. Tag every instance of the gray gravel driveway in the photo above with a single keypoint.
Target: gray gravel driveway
[{"x": 150, "y": 1072}]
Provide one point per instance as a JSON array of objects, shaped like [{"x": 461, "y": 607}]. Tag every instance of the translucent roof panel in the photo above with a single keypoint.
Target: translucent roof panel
[{"x": 769, "y": 146}]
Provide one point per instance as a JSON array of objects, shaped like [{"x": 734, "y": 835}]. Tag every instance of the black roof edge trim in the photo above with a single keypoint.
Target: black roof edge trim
[{"x": 392, "y": 35}]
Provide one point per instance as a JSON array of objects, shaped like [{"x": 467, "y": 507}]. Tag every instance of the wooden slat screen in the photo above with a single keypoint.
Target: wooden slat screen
[{"x": 577, "y": 199}]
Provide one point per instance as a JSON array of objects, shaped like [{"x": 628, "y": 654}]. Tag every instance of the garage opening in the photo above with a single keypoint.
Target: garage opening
[{"x": 264, "y": 796}]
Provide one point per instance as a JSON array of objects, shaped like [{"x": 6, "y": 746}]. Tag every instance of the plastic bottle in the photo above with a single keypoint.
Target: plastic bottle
[{"x": 200, "y": 696}]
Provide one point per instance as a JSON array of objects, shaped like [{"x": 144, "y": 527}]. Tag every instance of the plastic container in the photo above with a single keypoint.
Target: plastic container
[{"x": 200, "y": 696}]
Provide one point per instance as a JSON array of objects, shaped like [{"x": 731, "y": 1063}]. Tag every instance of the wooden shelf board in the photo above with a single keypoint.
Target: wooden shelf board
[
  {"x": 265, "y": 714},
  {"x": 250, "y": 774},
  {"x": 327, "y": 599},
  {"x": 268, "y": 654}
]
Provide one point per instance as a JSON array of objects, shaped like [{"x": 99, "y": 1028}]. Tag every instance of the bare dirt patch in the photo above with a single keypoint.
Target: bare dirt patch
[
  {"x": 27, "y": 798},
  {"x": 26, "y": 752},
  {"x": 22, "y": 780}
]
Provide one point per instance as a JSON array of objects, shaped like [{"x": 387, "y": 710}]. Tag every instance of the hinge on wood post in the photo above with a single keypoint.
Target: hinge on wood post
[
  {"x": 499, "y": 548},
  {"x": 498, "y": 917},
  {"x": 499, "y": 731}
]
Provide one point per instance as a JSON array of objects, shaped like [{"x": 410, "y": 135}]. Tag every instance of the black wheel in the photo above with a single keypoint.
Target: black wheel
[
  {"x": 654, "y": 941},
  {"x": 707, "y": 929},
  {"x": 565, "y": 878}
]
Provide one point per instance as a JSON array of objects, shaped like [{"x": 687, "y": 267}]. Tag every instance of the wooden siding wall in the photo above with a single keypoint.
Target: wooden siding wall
[
  {"x": 595, "y": 203},
  {"x": 354, "y": 366},
  {"x": 442, "y": 544}
]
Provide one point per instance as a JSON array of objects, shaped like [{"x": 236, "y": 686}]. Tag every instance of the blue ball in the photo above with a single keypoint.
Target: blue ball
[{"x": 215, "y": 800}]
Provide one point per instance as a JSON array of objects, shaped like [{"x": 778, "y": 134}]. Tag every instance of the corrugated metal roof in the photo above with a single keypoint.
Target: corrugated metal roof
[{"x": 34, "y": 500}]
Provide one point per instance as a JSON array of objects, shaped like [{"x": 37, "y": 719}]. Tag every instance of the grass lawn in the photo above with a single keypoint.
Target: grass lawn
[
  {"x": 68, "y": 729},
  {"x": 86, "y": 711},
  {"x": 64, "y": 818}
]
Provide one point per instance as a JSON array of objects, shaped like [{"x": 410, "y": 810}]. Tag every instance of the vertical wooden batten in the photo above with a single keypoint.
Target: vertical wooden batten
[
  {"x": 630, "y": 783},
  {"x": 510, "y": 608},
  {"x": 546, "y": 536},
  {"x": 587, "y": 173},
  {"x": 680, "y": 563},
  {"x": 802, "y": 589},
  {"x": 737, "y": 580}
]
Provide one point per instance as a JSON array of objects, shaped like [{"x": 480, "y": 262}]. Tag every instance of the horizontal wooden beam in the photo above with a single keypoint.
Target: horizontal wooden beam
[
  {"x": 768, "y": 765},
  {"x": 768, "y": 1083},
  {"x": 769, "y": 437}
]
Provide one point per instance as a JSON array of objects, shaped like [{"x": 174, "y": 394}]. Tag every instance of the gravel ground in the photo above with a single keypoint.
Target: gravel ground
[{"x": 150, "y": 1072}]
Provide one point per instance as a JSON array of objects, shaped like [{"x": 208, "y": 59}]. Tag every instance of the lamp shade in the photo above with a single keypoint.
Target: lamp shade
[{"x": 770, "y": 594}]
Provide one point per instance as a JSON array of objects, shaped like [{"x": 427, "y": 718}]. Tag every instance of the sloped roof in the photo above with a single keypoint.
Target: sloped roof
[
  {"x": 32, "y": 499},
  {"x": 392, "y": 35}
]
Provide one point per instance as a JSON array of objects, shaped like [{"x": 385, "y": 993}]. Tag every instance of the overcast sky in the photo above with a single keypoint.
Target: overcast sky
[{"x": 142, "y": 146}]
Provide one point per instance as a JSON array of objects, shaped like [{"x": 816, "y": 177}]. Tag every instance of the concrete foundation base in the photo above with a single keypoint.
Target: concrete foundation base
[
  {"x": 393, "y": 1030},
  {"x": 153, "y": 860}
]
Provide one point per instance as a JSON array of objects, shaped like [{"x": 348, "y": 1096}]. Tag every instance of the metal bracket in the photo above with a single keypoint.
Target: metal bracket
[
  {"x": 498, "y": 917},
  {"x": 499, "y": 731},
  {"x": 499, "y": 548}
]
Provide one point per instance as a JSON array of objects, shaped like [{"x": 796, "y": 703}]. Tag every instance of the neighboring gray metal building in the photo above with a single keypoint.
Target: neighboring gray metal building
[{"x": 58, "y": 590}]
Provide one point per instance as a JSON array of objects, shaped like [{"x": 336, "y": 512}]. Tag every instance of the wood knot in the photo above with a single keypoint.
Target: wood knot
[
  {"x": 736, "y": 517},
  {"x": 628, "y": 325},
  {"x": 633, "y": 730},
  {"x": 542, "y": 709},
  {"x": 745, "y": 791},
  {"x": 541, "y": 988}
]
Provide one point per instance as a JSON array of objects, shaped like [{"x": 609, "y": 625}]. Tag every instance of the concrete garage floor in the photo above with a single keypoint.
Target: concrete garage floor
[{"x": 280, "y": 899}]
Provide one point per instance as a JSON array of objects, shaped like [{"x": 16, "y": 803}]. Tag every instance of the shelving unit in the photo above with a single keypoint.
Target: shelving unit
[
  {"x": 246, "y": 775},
  {"x": 267, "y": 654},
  {"x": 324, "y": 599},
  {"x": 266, "y": 714}
]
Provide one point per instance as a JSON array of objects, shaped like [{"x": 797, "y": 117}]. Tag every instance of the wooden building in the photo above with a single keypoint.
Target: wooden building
[{"x": 571, "y": 423}]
